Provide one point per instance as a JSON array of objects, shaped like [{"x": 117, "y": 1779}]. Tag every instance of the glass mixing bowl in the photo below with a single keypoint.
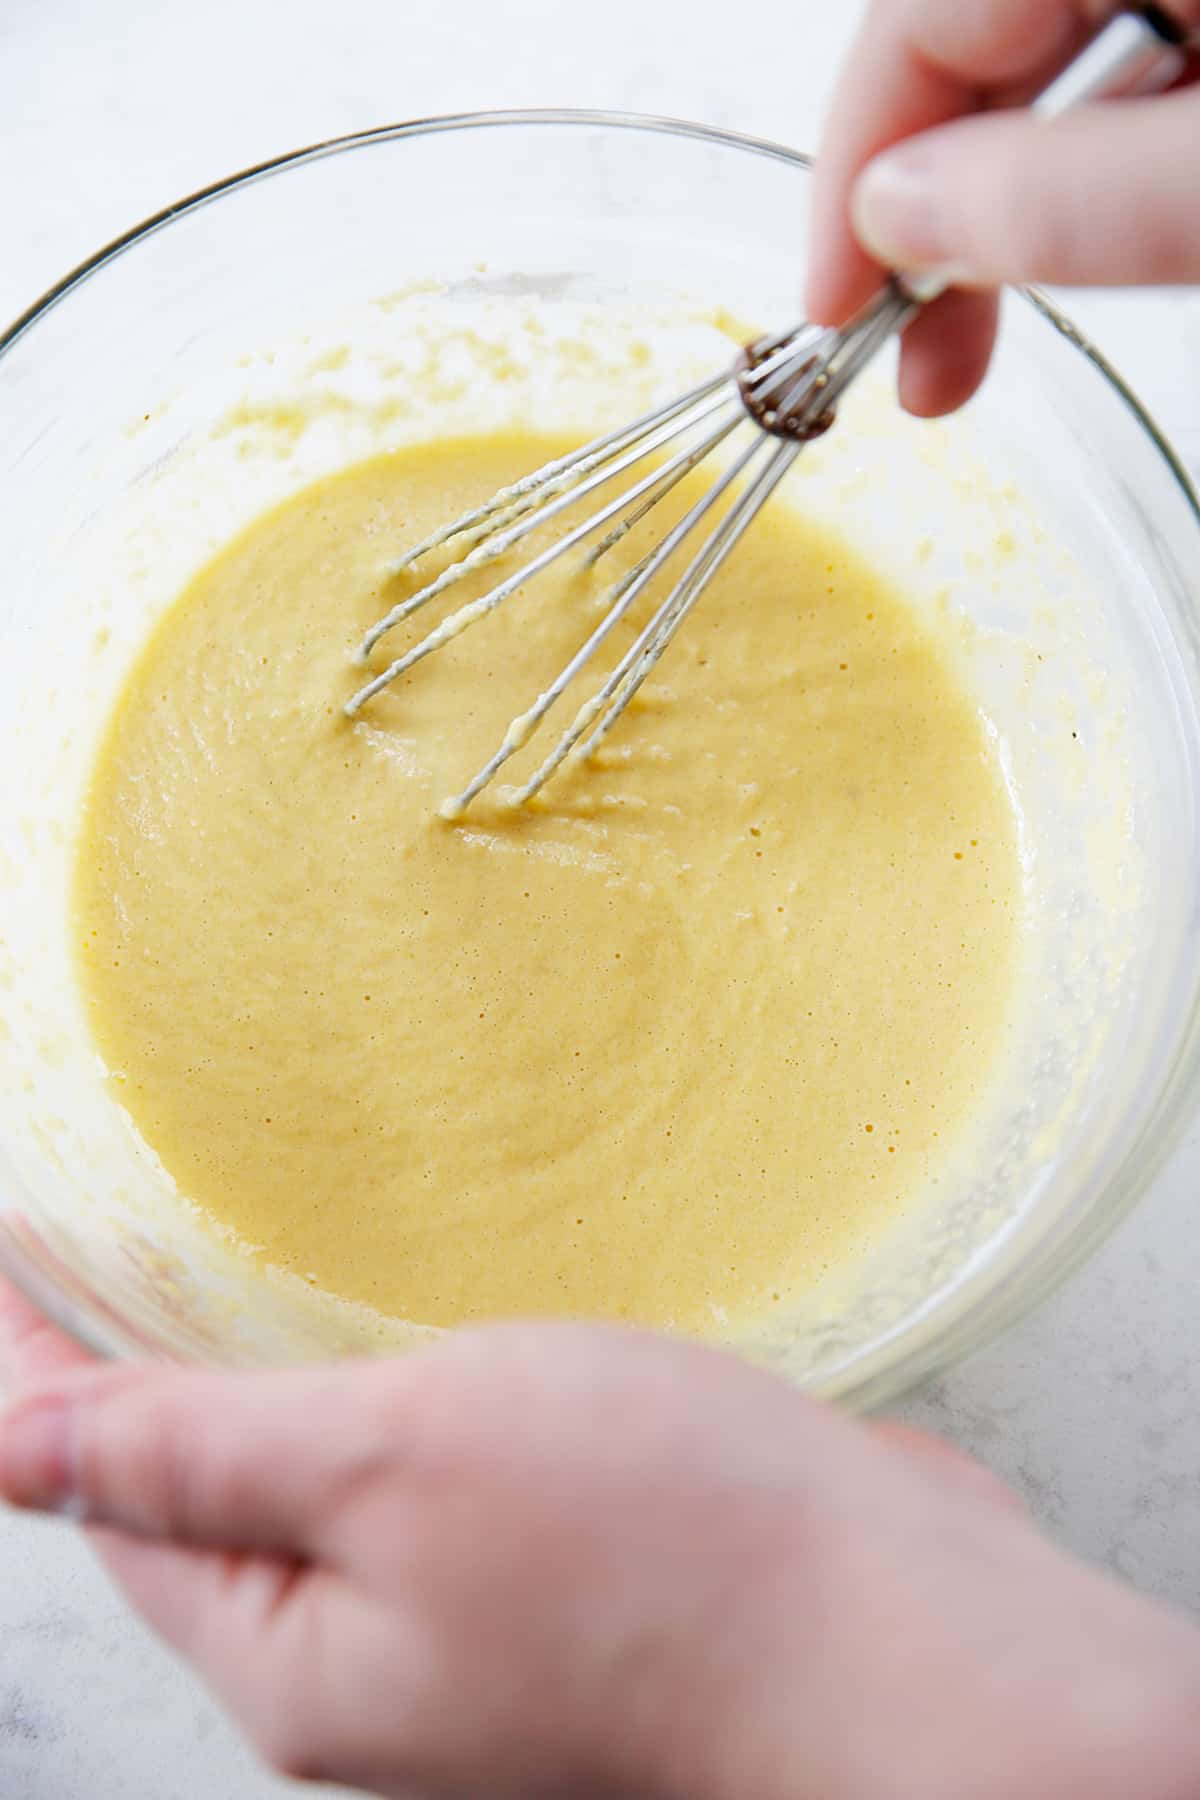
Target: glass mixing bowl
[{"x": 1051, "y": 522}]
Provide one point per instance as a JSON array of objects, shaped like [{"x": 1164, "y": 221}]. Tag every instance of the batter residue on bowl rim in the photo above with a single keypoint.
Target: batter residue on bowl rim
[{"x": 668, "y": 1048}]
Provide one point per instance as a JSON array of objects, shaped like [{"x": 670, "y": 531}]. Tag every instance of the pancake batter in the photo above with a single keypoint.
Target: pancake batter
[{"x": 666, "y": 1048}]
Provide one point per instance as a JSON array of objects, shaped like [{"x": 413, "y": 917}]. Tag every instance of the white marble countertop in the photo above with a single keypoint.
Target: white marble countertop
[{"x": 111, "y": 111}]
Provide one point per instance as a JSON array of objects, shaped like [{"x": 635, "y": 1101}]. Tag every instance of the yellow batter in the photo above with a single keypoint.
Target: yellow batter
[{"x": 666, "y": 1049}]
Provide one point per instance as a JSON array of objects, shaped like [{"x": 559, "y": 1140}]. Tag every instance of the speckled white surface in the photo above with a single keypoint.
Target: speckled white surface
[{"x": 109, "y": 112}]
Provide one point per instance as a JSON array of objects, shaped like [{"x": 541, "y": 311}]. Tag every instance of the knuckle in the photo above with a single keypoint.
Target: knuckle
[
  {"x": 146, "y": 1459},
  {"x": 303, "y": 1765},
  {"x": 289, "y": 1745},
  {"x": 208, "y": 1478},
  {"x": 1011, "y": 226},
  {"x": 153, "y": 1453},
  {"x": 446, "y": 1428},
  {"x": 119, "y": 1454},
  {"x": 1166, "y": 248}
]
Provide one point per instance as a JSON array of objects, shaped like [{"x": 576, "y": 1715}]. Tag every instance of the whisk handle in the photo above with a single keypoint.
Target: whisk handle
[{"x": 1138, "y": 52}]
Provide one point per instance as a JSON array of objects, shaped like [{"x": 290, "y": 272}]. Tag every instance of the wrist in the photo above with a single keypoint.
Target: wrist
[
  {"x": 1162, "y": 1752},
  {"x": 772, "y": 1705}
]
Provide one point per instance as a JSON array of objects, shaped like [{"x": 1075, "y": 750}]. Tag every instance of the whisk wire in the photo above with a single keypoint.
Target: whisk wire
[
  {"x": 495, "y": 547},
  {"x": 457, "y": 622},
  {"x": 678, "y": 472},
  {"x": 520, "y": 496},
  {"x": 672, "y": 614},
  {"x": 619, "y": 600},
  {"x": 598, "y": 715}
]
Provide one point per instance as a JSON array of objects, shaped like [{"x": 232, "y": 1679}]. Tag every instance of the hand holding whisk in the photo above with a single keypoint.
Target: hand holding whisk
[{"x": 781, "y": 393}]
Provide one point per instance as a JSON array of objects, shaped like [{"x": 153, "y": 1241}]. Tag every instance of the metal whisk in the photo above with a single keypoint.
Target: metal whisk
[{"x": 782, "y": 392}]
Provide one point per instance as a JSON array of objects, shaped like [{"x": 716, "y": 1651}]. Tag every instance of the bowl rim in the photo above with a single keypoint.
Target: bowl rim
[
  {"x": 891, "y": 1367},
  {"x": 595, "y": 118}
]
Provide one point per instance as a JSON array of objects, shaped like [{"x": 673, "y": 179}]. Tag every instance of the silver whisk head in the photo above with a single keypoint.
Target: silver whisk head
[{"x": 783, "y": 390}]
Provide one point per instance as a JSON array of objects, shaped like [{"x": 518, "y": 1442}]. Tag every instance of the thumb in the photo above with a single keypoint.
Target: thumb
[
  {"x": 1105, "y": 195},
  {"x": 238, "y": 1460}
]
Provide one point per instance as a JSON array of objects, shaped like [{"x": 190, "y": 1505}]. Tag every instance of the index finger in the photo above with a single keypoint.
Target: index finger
[
  {"x": 916, "y": 64},
  {"x": 170, "y": 1586}
]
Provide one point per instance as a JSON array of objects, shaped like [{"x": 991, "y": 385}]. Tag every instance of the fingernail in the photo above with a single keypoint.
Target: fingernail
[
  {"x": 36, "y": 1463},
  {"x": 897, "y": 210}
]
